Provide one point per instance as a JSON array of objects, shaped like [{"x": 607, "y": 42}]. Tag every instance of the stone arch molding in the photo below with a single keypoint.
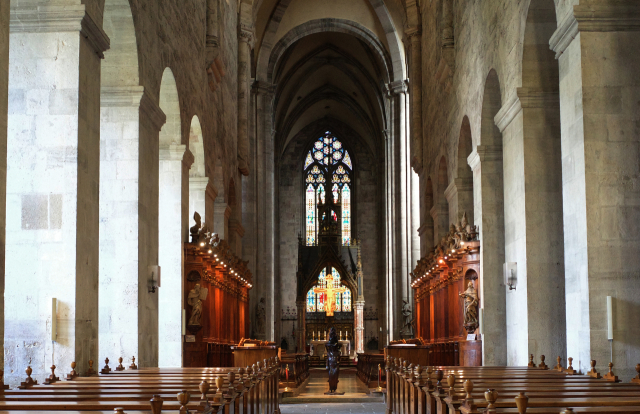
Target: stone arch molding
[{"x": 330, "y": 25}]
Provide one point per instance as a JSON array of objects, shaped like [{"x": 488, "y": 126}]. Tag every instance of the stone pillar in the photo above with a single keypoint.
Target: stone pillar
[
  {"x": 415, "y": 77},
  {"x": 4, "y": 103},
  {"x": 398, "y": 210},
  {"x": 245, "y": 44},
  {"x": 236, "y": 233},
  {"x": 53, "y": 160},
  {"x": 486, "y": 163},
  {"x": 175, "y": 161},
  {"x": 221, "y": 214},
  {"x": 129, "y": 117},
  {"x": 301, "y": 307},
  {"x": 359, "y": 323},
  {"x": 265, "y": 200},
  {"x": 459, "y": 196},
  {"x": 529, "y": 124},
  {"x": 201, "y": 198},
  {"x": 599, "y": 95}
]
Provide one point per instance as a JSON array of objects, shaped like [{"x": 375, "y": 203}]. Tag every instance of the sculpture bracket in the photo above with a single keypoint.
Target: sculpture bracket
[{"x": 510, "y": 275}]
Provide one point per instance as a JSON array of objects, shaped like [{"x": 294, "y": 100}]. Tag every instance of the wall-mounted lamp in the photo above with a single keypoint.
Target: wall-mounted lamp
[
  {"x": 510, "y": 274},
  {"x": 154, "y": 278}
]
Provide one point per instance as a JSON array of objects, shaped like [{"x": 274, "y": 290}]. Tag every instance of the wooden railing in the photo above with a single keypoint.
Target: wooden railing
[
  {"x": 445, "y": 353},
  {"x": 367, "y": 369},
  {"x": 298, "y": 369}
]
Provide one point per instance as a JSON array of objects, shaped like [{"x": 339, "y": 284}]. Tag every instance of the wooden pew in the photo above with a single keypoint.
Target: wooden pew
[
  {"x": 416, "y": 390},
  {"x": 238, "y": 390}
]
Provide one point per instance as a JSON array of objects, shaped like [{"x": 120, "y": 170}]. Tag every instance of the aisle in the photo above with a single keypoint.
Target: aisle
[{"x": 312, "y": 399}]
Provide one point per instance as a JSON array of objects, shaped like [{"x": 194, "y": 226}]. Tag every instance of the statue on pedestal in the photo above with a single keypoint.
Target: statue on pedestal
[
  {"x": 333, "y": 361},
  {"x": 407, "y": 326},
  {"x": 470, "y": 308},
  {"x": 195, "y": 298}
]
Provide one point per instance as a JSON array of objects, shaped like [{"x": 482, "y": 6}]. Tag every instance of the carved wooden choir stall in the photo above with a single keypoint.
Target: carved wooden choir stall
[
  {"x": 216, "y": 296},
  {"x": 446, "y": 299}
]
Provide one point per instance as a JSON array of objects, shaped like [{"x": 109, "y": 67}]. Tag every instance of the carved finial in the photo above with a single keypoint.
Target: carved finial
[
  {"x": 241, "y": 372},
  {"x": 531, "y": 363},
  {"x": 204, "y": 388},
  {"x": 636, "y": 379},
  {"x": 156, "y": 404},
  {"x": 542, "y": 364},
  {"x": 90, "y": 371},
  {"x": 570, "y": 370},
  {"x": 468, "y": 388},
  {"x": 567, "y": 411},
  {"x": 491, "y": 395},
  {"x": 118, "y": 410},
  {"x": 120, "y": 367},
  {"x": 593, "y": 373},
  {"x": 559, "y": 366},
  {"x": 28, "y": 382},
  {"x": 133, "y": 363},
  {"x": 521, "y": 402},
  {"x": 219, "y": 384},
  {"x": 610, "y": 376},
  {"x": 183, "y": 399},
  {"x": 106, "y": 368},
  {"x": 451, "y": 381},
  {"x": 52, "y": 378}
]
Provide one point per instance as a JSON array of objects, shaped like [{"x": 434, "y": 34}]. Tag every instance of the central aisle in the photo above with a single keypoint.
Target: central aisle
[{"x": 312, "y": 399}]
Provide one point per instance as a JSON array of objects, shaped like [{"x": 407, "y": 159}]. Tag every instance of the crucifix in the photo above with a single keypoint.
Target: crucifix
[{"x": 331, "y": 292}]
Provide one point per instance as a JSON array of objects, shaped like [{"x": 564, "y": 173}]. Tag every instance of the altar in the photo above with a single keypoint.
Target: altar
[{"x": 318, "y": 348}]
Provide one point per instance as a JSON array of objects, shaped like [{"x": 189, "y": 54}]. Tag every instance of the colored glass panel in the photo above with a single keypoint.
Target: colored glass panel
[
  {"x": 346, "y": 215},
  {"x": 311, "y": 301},
  {"x": 311, "y": 215},
  {"x": 346, "y": 301}
]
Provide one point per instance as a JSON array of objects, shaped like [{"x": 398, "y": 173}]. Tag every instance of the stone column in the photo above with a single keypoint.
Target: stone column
[
  {"x": 265, "y": 200},
  {"x": 236, "y": 233},
  {"x": 4, "y": 103},
  {"x": 129, "y": 117},
  {"x": 201, "y": 198},
  {"x": 245, "y": 44},
  {"x": 459, "y": 196},
  {"x": 399, "y": 168},
  {"x": 221, "y": 214},
  {"x": 529, "y": 123},
  {"x": 596, "y": 46},
  {"x": 301, "y": 307},
  {"x": 486, "y": 163},
  {"x": 53, "y": 160},
  {"x": 359, "y": 322},
  {"x": 175, "y": 161},
  {"x": 415, "y": 76}
]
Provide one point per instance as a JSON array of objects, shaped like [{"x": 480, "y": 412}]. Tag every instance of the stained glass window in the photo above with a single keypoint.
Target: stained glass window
[
  {"x": 317, "y": 299},
  {"x": 327, "y": 160}
]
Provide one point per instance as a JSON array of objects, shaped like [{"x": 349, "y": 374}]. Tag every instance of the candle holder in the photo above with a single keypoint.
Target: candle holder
[
  {"x": 379, "y": 389},
  {"x": 286, "y": 388}
]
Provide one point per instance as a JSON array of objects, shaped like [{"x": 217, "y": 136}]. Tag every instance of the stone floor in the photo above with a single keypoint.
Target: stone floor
[{"x": 313, "y": 401}]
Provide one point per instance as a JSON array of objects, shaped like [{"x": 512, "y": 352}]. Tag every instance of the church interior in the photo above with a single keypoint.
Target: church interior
[{"x": 288, "y": 206}]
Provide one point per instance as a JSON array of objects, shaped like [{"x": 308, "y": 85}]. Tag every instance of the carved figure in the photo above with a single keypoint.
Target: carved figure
[
  {"x": 195, "y": 230},
  {"x": 470, "y": 308},
  {"x": 261, "y": 317},
  {"x": 333, "y": 360},
  {"x": 196, "y": 296},
  {"x": 407, "y": 326}
]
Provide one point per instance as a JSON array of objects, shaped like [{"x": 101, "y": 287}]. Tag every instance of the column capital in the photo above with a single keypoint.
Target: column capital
[
  {"x": 198, "y": 183},
  {"x": 150, "y": 108},
  {"x": 246, "y": 34},
  {"x": 596, "y": 16},
  {"x": 222, "y": 205},
  {"x": 458, "y": 184},
  {"x": 121, "y": 96},
  {"x": 414, "y": 33},
  {"x": 37, "y": 18},
  {"x": 263, "y": 88},
  {"x": 484, "y": 153},
  {"x": 397, "y": 87},
  {"x": 175, "y": 152}
]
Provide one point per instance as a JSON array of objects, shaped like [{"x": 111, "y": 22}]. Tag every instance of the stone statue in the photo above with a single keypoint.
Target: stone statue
[
  {"x": 470, "y": 308},
  {"x": 261, "y": 317},
  {"x": 195, "y": 230},
  {"x": 407, "y": 325},
  {"x": 196, "y": 296},
  {"x": 333, "y": 360}
]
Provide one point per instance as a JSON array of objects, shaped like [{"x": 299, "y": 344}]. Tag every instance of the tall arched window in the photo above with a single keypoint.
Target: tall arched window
[{"x": 327, "y": 163}]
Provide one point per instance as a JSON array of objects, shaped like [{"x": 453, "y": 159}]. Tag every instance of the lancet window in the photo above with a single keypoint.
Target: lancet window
[
  {"x": 317, "y": 295},
  {"x": 327, "y": 165}
]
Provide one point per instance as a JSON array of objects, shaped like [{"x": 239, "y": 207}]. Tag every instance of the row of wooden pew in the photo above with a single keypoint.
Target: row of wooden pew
[
  {"x": 297, "y": 366},
  {"x": 368, "y": 367},
  {"x": 471, "y": 390},
  {"x": 250, "y": 390}
]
